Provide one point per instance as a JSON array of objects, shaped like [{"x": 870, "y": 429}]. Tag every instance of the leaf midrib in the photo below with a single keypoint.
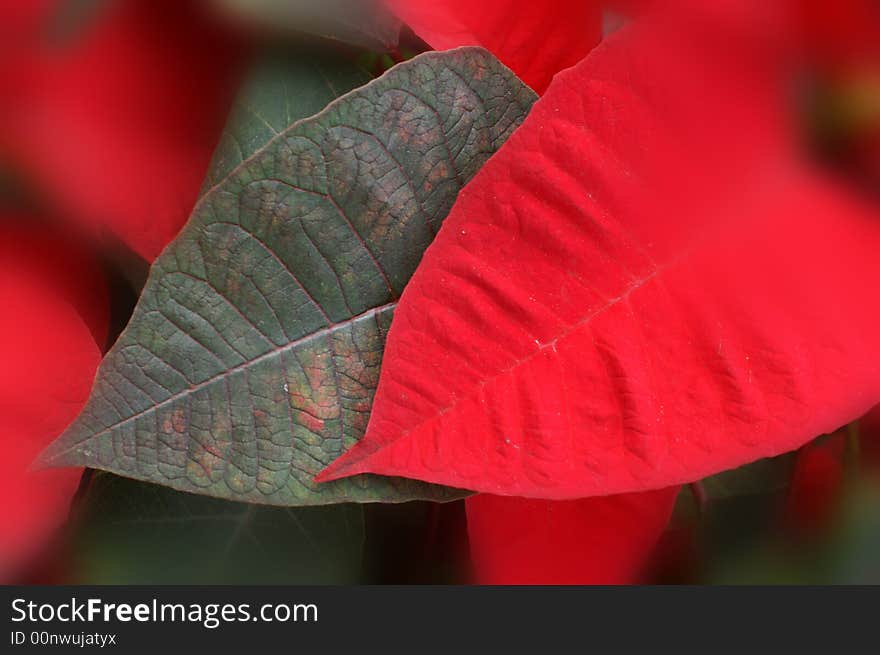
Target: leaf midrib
[
  {"x": 315, "y": 117},
  {"x": 276, "y": 351},
  {"x": 636, "y": 286}
]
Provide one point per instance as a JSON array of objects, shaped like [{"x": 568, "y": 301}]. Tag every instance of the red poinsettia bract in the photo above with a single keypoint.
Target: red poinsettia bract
[
  {"x": 816, "y": 485},
  {"x": 54, "y": 317},
  {"x": 116, "y": 123},
  {"x": 589, "y": 541},
  {"x": 646, "y": 286},
  {"x": 535, "y": 39}
]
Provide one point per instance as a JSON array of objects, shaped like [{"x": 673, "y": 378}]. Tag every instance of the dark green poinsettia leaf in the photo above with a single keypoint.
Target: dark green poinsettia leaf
[
  {"x": 283, "y": 88},
  {"x": 765, "y": 477},
  {"x": 252, "y": 358},
  {"x": 742, "y": 505},
  {"x": 365, "y": 23},
  {"x": 842, "y": 552},
  {"x": 131, "y": 532},
  {"x": 755, "y": 484}
]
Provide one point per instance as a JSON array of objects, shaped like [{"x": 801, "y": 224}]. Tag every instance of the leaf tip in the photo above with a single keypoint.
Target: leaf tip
[
  {"x": 347, "y": 465},
  {"x": 54, "y": 456}
]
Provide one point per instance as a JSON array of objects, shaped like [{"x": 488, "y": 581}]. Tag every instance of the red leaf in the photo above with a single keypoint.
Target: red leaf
[
  {"x": 50, "y": 295},
  {"x": 591, "y": 541},
  {"x": 842, "y": 33},
  {"x": 118, "y": 127},
  {"x": 644, "y": 287},
  {"x": 816, "y": 484},
  {"x": 54, "y": 258},
  {"x": 535, "y": 39}
]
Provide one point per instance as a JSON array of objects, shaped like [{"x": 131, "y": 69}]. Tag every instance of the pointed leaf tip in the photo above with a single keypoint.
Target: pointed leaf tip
[
  {"x": 644, "y": 287},
  {"x": 251, "y": 360}
]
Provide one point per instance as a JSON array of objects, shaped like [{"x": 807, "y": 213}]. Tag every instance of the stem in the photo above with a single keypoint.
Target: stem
[
  {"x": 853, "y": 447},
  {"x": 701, "y": 497}
]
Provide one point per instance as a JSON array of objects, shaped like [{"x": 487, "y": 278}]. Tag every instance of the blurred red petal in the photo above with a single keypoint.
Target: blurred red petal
[
  {"x": 816, "y": 484},
  {"x": 117, "y": 126},
  {"x": 841, "y": 32},
  {"x": 591, "y": 541},
  {"x": 535, "y": 39},
  {"x": 54, "y": 301},
  {"x": 54, "y": 258}
]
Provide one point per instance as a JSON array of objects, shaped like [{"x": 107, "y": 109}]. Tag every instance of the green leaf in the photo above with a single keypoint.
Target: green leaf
[
  {"x": 365, "y": 23},
  {"x": 743, "y": 503},
  {"x": 129, "y": 532},
  {"x": 283, "y": 88},
  {"x": 252, "y": 358},
  {"x": 765, "y": 477}
]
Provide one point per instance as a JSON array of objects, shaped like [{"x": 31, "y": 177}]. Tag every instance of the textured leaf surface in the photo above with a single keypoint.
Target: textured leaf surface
[
  {"x": 252, "y": 358},
  {"x": 589, "y": 541},
  {"x": 536, "y": 39},
  {"x": 54, "y": 307},
  {"x": 117, "y": 126},
  {"x": 646, "y": 286},
  {"x": 365, "y": 23},
  {"x": 131, "y": 532},
  {"x": 282, "y": 89}
]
